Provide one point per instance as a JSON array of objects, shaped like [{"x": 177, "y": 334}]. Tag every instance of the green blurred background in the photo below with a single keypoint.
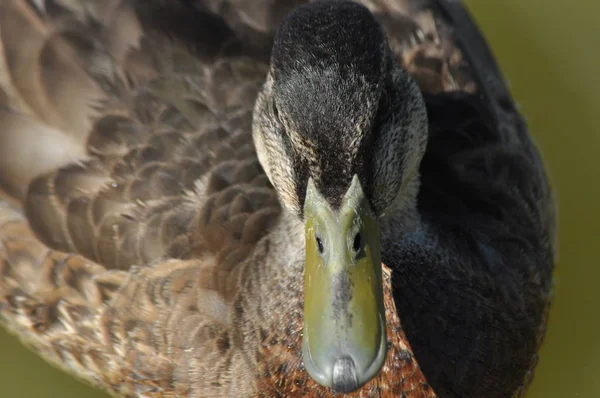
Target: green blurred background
[{"x": 550, "y": 55}]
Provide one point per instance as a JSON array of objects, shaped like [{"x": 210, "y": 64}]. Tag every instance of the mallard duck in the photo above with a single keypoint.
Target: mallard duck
[{"x": 269, "y": 198}]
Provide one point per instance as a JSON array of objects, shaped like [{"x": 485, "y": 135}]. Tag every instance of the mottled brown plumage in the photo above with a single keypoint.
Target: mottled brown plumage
[{"x": 143, "y": 248}]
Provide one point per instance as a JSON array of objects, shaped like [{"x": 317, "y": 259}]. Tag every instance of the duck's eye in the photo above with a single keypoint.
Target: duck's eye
[
  {"x": 357, "y": 244},
  {"x": 320, "y": 245}
]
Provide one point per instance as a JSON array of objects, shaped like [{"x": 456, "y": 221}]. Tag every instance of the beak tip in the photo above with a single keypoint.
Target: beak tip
[
  {"x": 344, "y": 377},
  {"x": 344, "y": 371}
]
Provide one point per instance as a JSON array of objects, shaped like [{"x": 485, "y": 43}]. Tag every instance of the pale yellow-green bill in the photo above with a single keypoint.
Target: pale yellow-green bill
[{"x": 344, "y": 343}]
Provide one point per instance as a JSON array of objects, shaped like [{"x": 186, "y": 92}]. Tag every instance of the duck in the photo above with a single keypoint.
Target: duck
[{"x": 269, "y": 198}]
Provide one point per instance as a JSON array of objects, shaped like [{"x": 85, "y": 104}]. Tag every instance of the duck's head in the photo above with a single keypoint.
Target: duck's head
[{"x": 340, "y": 131}]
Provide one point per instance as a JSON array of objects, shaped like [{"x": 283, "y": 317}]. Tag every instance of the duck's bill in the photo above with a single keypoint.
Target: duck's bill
[{"x": 344, "y": 342}]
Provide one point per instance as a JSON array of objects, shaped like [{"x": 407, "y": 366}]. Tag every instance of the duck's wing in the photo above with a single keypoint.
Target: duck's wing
[
  {"x": 473, "y": 286},
  {"x": 130, "y": 184}
]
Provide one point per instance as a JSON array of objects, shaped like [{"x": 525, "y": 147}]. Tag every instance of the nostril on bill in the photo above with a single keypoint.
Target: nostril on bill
[{"x": 344, "y": 375}]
